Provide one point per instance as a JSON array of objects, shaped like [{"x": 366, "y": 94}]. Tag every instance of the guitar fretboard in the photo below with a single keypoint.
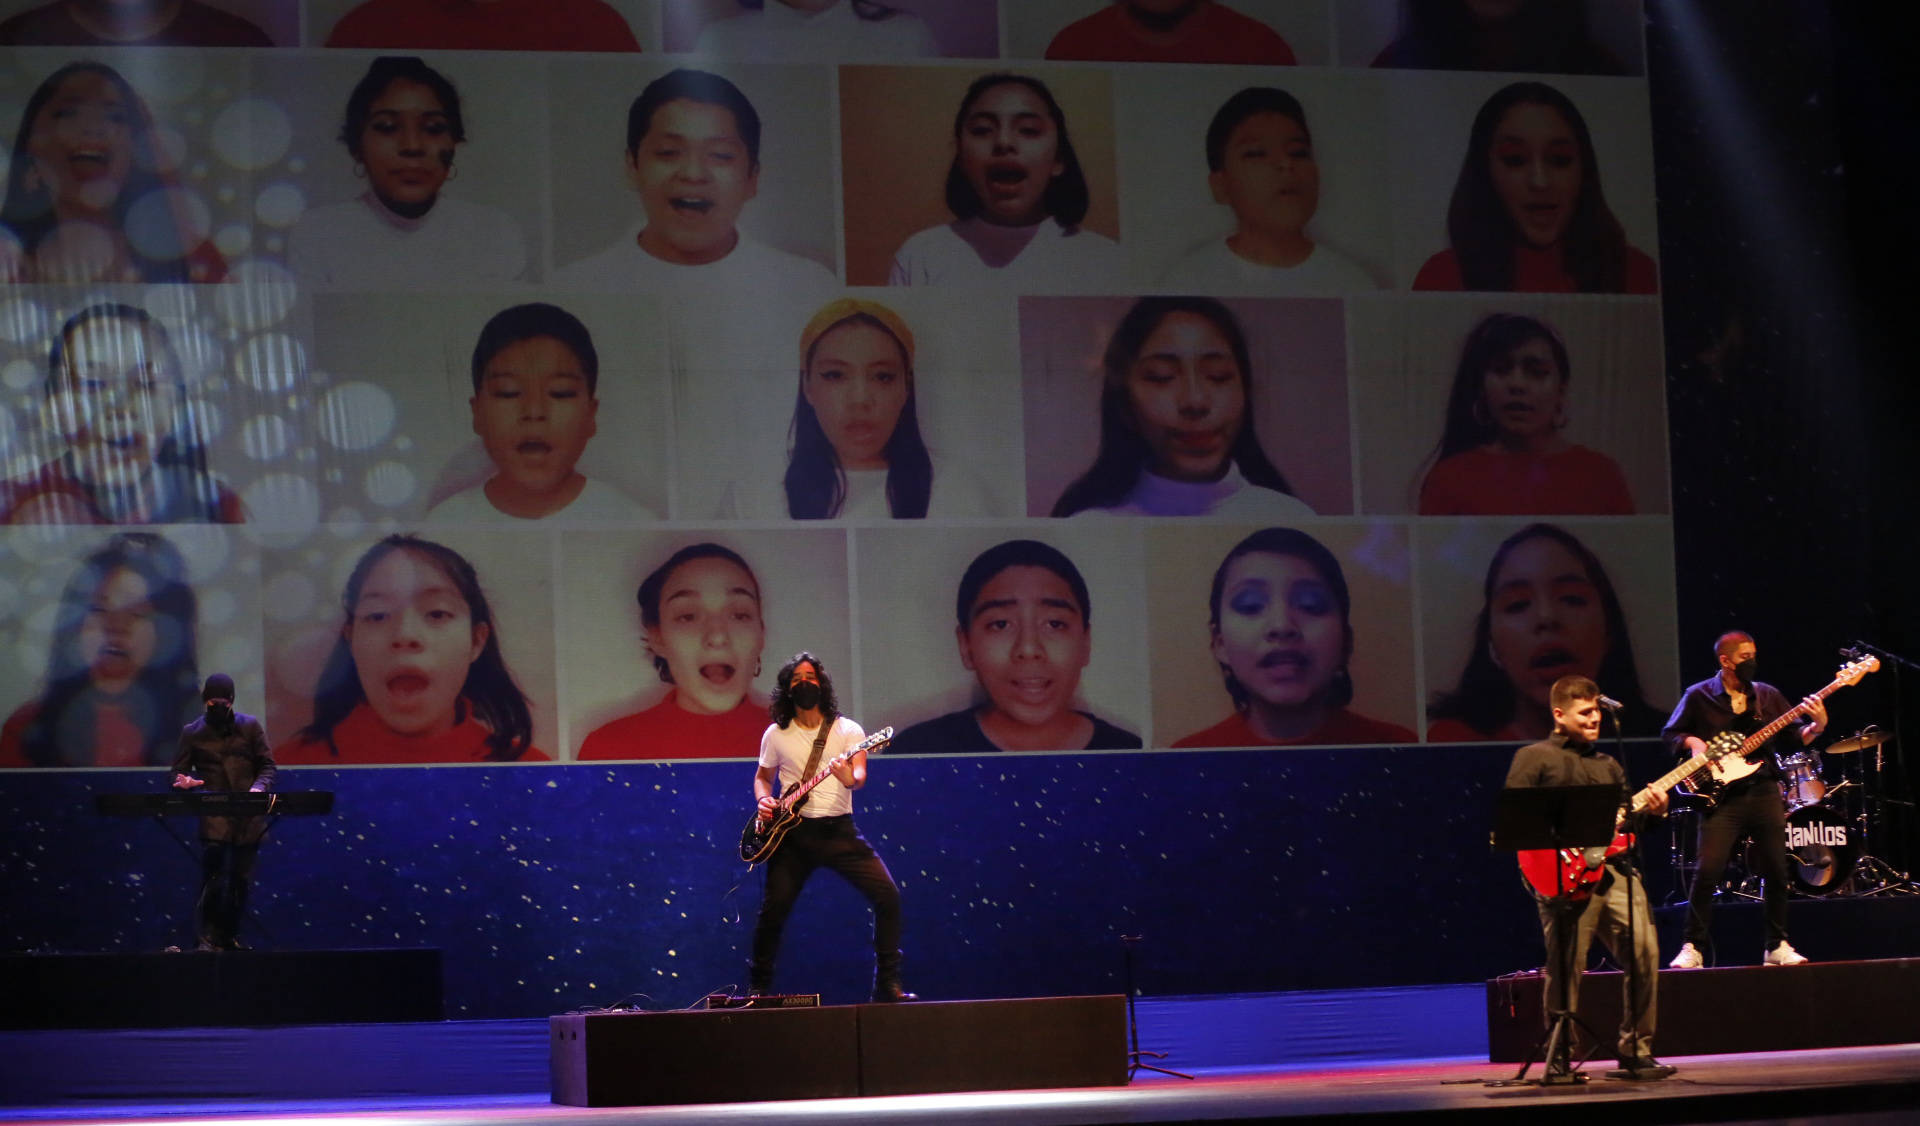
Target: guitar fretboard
[{"x": 1686, "y": 770}]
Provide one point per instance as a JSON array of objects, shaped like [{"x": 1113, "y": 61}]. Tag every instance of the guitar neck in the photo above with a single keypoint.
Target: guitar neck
[{"x": 1686, "y": 770}]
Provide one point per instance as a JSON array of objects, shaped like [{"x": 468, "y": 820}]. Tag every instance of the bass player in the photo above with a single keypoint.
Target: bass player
[
  {"x": 1751, "y": 806},
  {"x": 1617, "y": 911},
  {"x": 807, "y": 730}
]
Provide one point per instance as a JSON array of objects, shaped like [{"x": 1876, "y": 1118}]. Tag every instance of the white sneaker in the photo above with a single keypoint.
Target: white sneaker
[
  {"x": 1688, "y": 958},
  {"x": 1784, "y": 955}
]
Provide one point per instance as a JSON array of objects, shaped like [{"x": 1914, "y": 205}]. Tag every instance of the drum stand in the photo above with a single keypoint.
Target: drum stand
[{"x": 1872, "y": 875}]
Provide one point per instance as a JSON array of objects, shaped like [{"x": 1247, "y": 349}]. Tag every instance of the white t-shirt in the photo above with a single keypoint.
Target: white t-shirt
[
  {"x": 1056, "y": 261},
  {"x": 790, "y": 747},
  {"x": 596, "y": 504},
  {"x": 1229, "y": 498},
  {"x": 749, "y": 268},
  {"x": 780, "y": 34},
  {"x": 1213, "y": 267},
  {"x": 957, "y": 491},
  {"x": 361, "y": 243}
]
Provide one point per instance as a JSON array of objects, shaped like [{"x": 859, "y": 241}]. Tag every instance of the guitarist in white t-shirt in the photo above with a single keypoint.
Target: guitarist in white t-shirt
[{"x": 804, "y": 708}]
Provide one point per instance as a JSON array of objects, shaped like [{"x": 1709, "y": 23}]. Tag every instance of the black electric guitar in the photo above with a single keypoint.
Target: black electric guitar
[
  {"x": 765, "y": 832},
  {"x": 1728, "y": 753}
]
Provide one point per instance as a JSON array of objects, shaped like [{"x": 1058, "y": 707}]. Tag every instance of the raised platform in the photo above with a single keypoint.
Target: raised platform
[
  {"x": 237, "y": 989},
  {"x": 1740, "y": 1009},
  {"x": 1826, "y": 930},
  {"x": 838, "y": 1051}
]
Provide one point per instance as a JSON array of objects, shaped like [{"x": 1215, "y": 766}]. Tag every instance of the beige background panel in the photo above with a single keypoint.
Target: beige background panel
[
  {"x": 1637, "y": 552},
  {"x": 1167, "y": 207},
  {"x": 605, "y": 668},
  {"x": 1304, "y": 24},
  {"x": 896, "y": 140},
  {"x": 1430, "y": 116},
  {"x": 733, "y": 421},
  {"x": 502, "y": 105},
  {"x": 304, "y": 587},
  {"x": 1365, "y": 27},
  {"x": 643, "y": 16},
  {"x": 910, "y": 661},
  {"x": 223, "y": 566},
  {"x": 418, "y": 349},
  {"x": 1189, "y": 692},
  {"x": 593, "y": 204},
  {"x": 1405, "y": 351},
  {"x": 1298, "y": 347}
]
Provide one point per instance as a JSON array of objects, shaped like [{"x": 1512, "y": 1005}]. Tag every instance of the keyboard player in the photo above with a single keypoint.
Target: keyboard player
[{"x": 224, "y": 750}]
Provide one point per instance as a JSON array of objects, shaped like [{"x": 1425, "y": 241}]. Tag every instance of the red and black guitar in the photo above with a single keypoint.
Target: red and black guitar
[
  {"x": 1725, "y": 760},
  {"x": 765, "y": 832}
]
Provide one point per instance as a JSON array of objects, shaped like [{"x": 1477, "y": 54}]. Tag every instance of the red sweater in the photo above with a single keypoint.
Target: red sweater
[
  {"x": 667, "y": 730},
  {"x": 116, "y": 740},
  {"x": 1342, "y": 728},
  {"x": 1214, "y": 33},
  {"x": 362, "y": 738},
  {"x": 502, "y": 25},
  {"x": 1536, "y": 270},
  {"x": 1576, "y": 481},
  {"x": 1457, "y": 731},
  {"x": 51, "y": 495}
]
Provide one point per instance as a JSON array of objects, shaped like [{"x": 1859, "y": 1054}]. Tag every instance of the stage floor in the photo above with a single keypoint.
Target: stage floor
[{"x": 1881, "y": 1083}]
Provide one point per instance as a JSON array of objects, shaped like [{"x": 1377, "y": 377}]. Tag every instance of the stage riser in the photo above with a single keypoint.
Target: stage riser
[
  {"x": 1743, "y": 1009},
  {"x": 659, "y": 1059},
  {"x": 1826, "y": 930},
  {"x": 237, "y": 989}
]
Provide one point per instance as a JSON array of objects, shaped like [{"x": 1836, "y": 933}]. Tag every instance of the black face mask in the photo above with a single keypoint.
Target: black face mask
[
  {"x": 805, "y": 695},
  {"x": 219, "y": 715},
  {"x": 1744, "y": 670}
]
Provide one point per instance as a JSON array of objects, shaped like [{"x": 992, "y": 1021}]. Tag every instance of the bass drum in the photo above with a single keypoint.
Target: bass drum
[{"x": 1820, "y": 850}]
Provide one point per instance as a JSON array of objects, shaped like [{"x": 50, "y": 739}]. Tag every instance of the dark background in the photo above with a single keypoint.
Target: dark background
[{"x": 1787, "y": 141}]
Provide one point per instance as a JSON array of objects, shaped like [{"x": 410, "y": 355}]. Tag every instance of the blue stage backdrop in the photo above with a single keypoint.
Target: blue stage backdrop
[{"x": 552, "y": 889}]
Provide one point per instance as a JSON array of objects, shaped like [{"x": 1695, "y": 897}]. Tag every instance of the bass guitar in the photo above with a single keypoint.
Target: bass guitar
[
  {"x": 1577, "y": 870},
  {"x": 1728, "y": 753},
  {"x": 764, "y": 833}
]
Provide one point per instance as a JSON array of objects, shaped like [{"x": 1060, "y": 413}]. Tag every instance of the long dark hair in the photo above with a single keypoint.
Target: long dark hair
[
  {"x": 1485, "y": 237},
  {"x": 1485, "y": 697},
  {"x": 489, "y": 691},
  {"x": 1123, "y": 451},
  {"x": 1067, "y": 196},
  {"x": 870, "y": 10},
  {"x": 188, "y": 491},
  {"x": 166, "y": 692},
  {"x": 1553, "y": 38},
  {"x": 780, "y": 705},
  {"x": 815, "y": 482},
  {"x": 160, "y": 252},
  {"x": 1299, "y": 545},
  {"x": 1467, "y": 426}
]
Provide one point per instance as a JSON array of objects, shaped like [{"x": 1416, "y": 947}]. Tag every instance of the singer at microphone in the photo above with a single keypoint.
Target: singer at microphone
[{"x": 224, "y": 750}]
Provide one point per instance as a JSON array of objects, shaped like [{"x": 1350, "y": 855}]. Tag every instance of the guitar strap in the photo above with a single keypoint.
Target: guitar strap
[{"x": 813, "y": 760}]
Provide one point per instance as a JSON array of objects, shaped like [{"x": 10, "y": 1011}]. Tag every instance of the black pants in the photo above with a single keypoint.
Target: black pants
[
  {"x": 825, "y": 842},
  {"x": 226, "y": 872},
  {"x": 1753, "y": 810}
]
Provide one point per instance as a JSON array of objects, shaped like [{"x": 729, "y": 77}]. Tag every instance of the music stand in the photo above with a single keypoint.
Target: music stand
[{"x": 1529, "y": 818}]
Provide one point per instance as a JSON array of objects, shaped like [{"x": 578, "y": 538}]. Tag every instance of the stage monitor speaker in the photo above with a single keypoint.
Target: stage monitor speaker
[
  {"x": 1040, "y": 1042},
  {"x": 718, "y": 1056}
]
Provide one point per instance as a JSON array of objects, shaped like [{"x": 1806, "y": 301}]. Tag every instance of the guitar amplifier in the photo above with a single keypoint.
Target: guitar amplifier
[{"x": 766, "y": 1001}]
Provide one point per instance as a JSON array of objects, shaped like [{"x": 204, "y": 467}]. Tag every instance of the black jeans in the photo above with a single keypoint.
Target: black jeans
[
  {"x": 226, "y": 872},
  {"x": 1755, "y": 810},
  {"x": 825, "y": 842}
]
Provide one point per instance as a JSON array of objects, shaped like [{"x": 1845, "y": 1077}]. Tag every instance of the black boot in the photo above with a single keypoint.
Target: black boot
[
  {"x": 886, "y": 980},
  {"x": 759, "y": 978}
]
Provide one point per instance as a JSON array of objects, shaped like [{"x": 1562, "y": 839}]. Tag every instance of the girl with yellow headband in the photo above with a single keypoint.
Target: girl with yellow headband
[{"x": 854, "y": 448}]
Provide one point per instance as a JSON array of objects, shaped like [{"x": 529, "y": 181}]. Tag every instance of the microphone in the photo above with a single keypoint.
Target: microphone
[
  {"x": 1850, "y": 654},
  {"x": 1609, "y": 703}
]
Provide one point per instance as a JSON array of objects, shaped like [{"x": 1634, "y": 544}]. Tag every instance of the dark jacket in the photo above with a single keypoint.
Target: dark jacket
[
  {"x": 234, "y": 756},
  {"x": 1704, "y": 711}
]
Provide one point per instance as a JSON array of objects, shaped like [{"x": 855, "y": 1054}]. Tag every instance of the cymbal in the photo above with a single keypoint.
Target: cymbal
[{"x": 1871, "y": 737}]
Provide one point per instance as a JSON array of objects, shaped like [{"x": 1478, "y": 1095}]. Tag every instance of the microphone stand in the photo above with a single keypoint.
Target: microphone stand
[{"x": 1632, "y": 861}]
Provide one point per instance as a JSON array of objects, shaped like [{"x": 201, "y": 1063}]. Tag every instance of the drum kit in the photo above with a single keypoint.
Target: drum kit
[{"x": 1830, "y": 826}]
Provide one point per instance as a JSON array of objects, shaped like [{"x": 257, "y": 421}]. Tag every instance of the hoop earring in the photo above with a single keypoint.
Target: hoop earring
[
  {"x": 756, "y": 668},
  {"x": 359, "y": 170},
  {"x": 1560, "y": 417},
  {"x": 453, "y": 172},
  {"x": 1480, "y": 415}
]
